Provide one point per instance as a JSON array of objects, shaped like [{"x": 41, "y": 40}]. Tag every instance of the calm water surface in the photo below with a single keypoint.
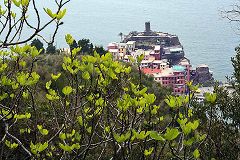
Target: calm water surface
[{"x": 206, "y": 37}]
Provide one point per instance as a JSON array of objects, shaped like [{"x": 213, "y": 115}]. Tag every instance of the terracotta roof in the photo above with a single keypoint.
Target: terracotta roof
[{"x": 150, "y": 71}]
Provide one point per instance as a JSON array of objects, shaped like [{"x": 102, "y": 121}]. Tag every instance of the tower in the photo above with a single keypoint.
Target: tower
[{"x": 147, "y": 27}]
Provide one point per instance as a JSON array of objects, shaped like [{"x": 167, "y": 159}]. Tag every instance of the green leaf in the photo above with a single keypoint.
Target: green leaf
[
  {"x": 86, "y": 75},
  {"x": 140, "y": 110},
  {"x": 44, "y": 132},
  {"x": 12, "y": 95},
  {"x": 25, "y": 95},
  {"x": 140, "y": 58},
  {"x": 107, "y": 129},
  {"x": 89, "y": 129},
  {"x": 80, "y": 120},
  {"x": 122, "y": 138},
  {"x": 28, "y": 115},
  {"x": 67, "y": 90},
  {"x": 49, "y": 12},
  {"x": 171, "y": 101},
  {"x": 196, "y": 153},
  {"x": 211, "y": 97},
  {"x": 22, "y": 116},
  {"x": 4, "y": 96},
  {"x": 41, "y": 130},
  {"x": 128, "y": 70},
  {"x": 55, "y": 77},
  {"x": 171, "y": 134},
  {"x": 76, "y": 146},
  {"x": 11, "y": 145},
  {"x": 35, "y": 149},
  {"x": 187, "y": 128},
  {"x": 69, "y": 39},
  {"x": 112, "y": 74},
  {"x": 161, "y": 118},
  {"x": 189, "y": 142},
  {"x": 15, "y": 86},
  {"x": 3, "y": 67},
  {"x": 24, "y": 3},
  {"x": 62, "y": 136},
  {"x": 66, "y": 147},
  {"x": 148, "y": 152},
  {"x": 78, "y": 136},
  {"x": 99, "y": 102},
  {"x": 195, "y": 125},
  {"x": 16, "y": 3},
  {"x": 48, "y": 84},
  {"x": 61, "y": 14},
  {"x": 22, "y": 63},
  {"x": 52, "y": 95},
  {"x": 42, "y": 147},
  {"x": 143, "y": 91},
  {"x": 154, "y": 135},
  {"x": 150, "y": 98}
]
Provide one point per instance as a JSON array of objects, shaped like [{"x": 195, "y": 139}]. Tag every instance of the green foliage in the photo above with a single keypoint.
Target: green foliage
[
  {"x": 154, "y": 135},
  {"x": 68, "y": 148},
  {"x": 39, "y": 147},
  {"x": 85, "y": 45},
  {"x": 11, "y": 145},
  {"x": 148, "y": 152},
  {"x": 100, "y": 50},
  {"x": 22, "y": 116},
  {"x": 123, "y": 137},
  {"x": 67, "y": 90},
  {"x": 42, "y": 130},
  {"x": 51, "y": 49},
  {"x": 91, "y": 105},
  {"x": 171, "y": 134},
  {"x": 196, "y": 153}
]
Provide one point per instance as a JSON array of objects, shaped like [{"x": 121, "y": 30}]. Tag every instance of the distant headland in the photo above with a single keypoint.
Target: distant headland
[{"x": 164, "y": 58}]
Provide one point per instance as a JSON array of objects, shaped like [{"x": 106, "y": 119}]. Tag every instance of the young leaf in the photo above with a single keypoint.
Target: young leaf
[
  {"x": 211, "y": 97},
  {"x": 66, "y": 147},
  {"x": 67, "y": 90},
  {"x": 62, "y": 136},
  {"x": 69, "y": 39},
  {"x": 55, "y": 77},
  {"x": 41, "y": 130},
  {"x": 49, "y": 12},
  {"x": 61, "y": 14},
  {"x": 171, "y": 134},
  {"x": 48, "y": 84},
  {"x": 86, "y": 75},
  {"x": 196, "y": 153},
  {"x": 195, "y": 125},
  {"x": 154, "y": 135},
  {"x": 140, "y": 58},
  {"x": 80, "y": 120},
  {"x": 148, "y": 152},
  {"x": 25, "y": 95},
  {"x": 42, "y": 147},
  {"x": 24, "y": 2},
  {"x": 16, "y": 3},
  {"x": 11, "y": 145}
]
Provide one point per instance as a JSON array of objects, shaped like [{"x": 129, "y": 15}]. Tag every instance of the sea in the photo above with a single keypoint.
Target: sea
[{"x": 206, "y": 36}]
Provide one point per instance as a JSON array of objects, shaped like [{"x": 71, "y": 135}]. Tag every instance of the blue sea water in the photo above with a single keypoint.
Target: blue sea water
[{"x": 206, "y": 37}]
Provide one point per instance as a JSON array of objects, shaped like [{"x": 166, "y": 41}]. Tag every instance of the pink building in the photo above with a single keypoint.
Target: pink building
[
  {"x": 112, "y": 46},
  {"x": 171, "y": 77}
]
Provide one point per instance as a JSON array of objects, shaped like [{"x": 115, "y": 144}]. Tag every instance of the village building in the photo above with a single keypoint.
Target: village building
[
  {"x": 164, "y": 58},
  {"x": 170, "y": 77}
]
